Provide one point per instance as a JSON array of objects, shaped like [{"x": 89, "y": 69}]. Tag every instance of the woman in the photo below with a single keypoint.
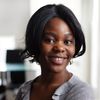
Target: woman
[{"x": 54, "y": 37}]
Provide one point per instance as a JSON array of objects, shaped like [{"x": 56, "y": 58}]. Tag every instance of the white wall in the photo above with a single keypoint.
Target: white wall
[
  {"x": 14, "y": 15},
  {"x": 86, "y": 25},
  {"x": 75, "y": 6},
  {"x": 95, "y": 54}
]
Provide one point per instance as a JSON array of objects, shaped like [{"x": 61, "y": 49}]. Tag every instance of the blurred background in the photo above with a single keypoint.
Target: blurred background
[{"x": 14, "y": 16}]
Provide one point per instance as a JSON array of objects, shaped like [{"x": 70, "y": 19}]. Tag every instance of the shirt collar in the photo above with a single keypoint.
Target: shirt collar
[{"x": 65, "y": 87}]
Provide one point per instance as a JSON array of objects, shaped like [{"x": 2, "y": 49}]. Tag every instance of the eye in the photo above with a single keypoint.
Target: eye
[
  {"x": 49, "y": 40},
  {"x": 68, "y": 42}
]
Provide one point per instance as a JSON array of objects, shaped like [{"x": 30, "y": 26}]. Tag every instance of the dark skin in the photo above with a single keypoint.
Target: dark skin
[{"x": 57, "y": 49}]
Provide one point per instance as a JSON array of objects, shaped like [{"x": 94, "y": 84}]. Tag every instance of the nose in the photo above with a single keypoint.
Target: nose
[{"x": 59, "y": 47}]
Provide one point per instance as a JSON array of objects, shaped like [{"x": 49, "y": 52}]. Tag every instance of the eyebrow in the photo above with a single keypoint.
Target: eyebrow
[
  {"x": 49, "y": 33},
  {"x": 69, "y": 35},
  {"x": 54, "y": 34}
]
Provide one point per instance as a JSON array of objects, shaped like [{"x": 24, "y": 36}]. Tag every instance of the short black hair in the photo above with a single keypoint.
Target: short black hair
[{"x": 37, "y": 23}]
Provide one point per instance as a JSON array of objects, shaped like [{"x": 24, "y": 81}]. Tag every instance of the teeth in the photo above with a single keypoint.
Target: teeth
[{"x": 58, "y": 59}]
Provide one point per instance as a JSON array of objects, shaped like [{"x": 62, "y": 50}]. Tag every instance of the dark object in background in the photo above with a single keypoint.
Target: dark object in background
[
  {"x": 13, "y": 56},
  {"x": 2, "y": 92},
  {"x": 17, "y": 77}
]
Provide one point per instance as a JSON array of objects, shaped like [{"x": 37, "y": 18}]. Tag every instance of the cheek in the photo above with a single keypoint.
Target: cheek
[
  {"x": 44, "y": 52},
  {"x": 45, "y": 49},
  {"x": 72, "y": 51}
]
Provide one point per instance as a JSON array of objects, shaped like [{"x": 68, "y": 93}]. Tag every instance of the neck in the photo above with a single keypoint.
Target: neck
[{"x": 54, "y": 78}]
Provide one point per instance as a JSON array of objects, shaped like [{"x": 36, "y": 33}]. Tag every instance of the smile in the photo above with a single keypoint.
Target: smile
[{"x": 57, "y": 60}]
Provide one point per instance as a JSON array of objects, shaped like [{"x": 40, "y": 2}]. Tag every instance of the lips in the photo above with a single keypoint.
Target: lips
[{"x": 57, "y": 60}]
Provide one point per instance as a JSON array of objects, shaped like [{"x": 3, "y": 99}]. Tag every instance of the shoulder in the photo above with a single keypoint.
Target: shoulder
[
  {"x": 74, "y": 89},
  {"x": 80, "y": 90},
  {"x": 26, "y": 85},
  {"x": 23, "y": 90}
]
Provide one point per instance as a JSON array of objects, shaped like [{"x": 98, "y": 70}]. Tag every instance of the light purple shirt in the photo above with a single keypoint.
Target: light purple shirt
[{"x": 74, "y": 89}]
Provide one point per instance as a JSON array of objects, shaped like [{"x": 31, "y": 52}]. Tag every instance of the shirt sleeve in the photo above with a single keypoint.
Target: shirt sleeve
[
  {"x": 24, "y": 91},
  {"x": 19, "y": 95}
]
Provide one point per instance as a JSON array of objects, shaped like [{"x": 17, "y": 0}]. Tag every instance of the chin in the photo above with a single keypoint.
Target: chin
[{"x": 57, "y": 68}]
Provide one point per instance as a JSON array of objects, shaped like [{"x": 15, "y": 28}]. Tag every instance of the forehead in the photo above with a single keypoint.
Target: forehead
[{"x": 57, "y": 24}]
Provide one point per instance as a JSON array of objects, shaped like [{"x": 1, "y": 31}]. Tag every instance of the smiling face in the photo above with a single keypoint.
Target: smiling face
[{"x": 57, "y": 46}]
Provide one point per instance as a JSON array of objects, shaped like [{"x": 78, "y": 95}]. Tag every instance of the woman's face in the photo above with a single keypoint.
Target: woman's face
[{"x": 57, "y": 46}]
